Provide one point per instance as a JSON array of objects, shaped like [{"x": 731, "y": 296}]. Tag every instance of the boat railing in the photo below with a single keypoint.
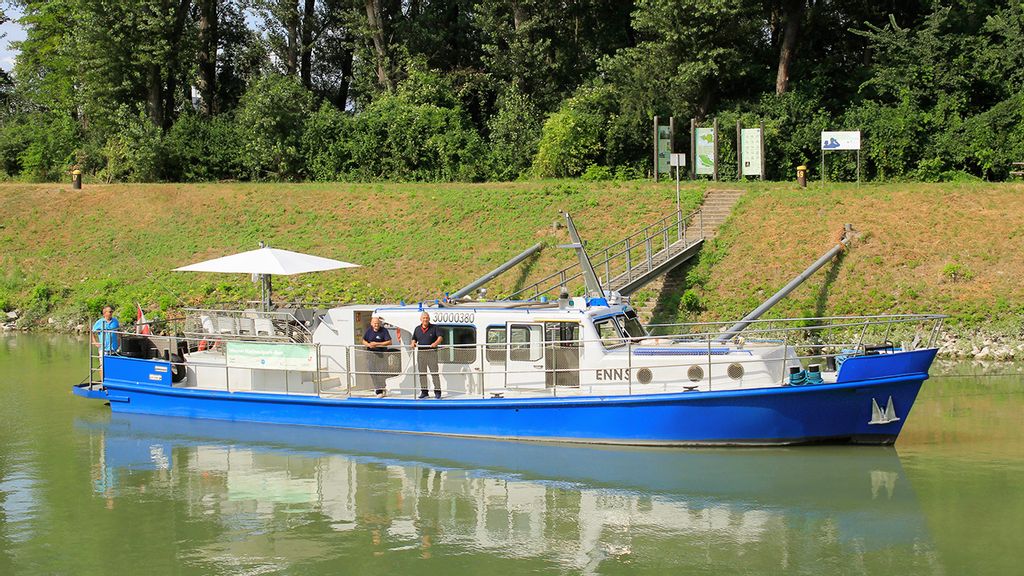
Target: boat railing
[
  {"x": 626, "y": 259},
  {"x": 288, "y": 325},
  {"x": 817, "y": 325},
  {"x": 482, "y": 370}
]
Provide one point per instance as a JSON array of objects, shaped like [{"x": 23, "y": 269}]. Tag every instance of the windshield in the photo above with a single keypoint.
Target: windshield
[
  {"x": 631, "y": 324},
  {"x": 609, "y": 333}
]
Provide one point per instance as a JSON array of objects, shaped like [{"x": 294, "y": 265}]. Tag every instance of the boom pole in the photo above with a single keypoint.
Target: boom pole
[
  {"x": 738, "y": 327},
  {"x": 468, "y": 288}
]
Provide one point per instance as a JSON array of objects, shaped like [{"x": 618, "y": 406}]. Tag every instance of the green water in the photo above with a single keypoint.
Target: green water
[{"x": 86, "y": 492}]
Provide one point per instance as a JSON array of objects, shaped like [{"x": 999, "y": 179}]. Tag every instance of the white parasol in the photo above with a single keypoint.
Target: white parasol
[{"x": 266, "y": 261}]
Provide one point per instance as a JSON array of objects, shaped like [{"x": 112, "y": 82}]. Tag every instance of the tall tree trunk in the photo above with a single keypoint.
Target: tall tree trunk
[
  {"x": 341, "y": 96},
  {"x": 518, "y": 15},
  {"x": 155, "y": 97},
  {"x": 170, "y": 96},
  {"x": 306, "y": 64},
  {"x": 376, "y": 22},
  {"x": 793, "y": 13},
  {"x": 186, "y": 90},
  {"x": 174, "y": 63},
  {"x": 292, "y": 59},
  {"x": 207, "y": 56},
  {"x": 707, "y": 99}
]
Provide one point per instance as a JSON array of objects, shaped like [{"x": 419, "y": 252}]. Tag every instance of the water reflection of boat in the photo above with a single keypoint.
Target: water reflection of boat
[{"x": 862, "y": 494}]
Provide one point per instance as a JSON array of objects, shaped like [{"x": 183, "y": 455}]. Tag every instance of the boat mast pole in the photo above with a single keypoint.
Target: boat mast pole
[
  {"x": 594, "y": 289},
  {"x": 738, "y": 327}
]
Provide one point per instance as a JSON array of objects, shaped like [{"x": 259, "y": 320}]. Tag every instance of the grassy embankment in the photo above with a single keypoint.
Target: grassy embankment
[
  {"x": 956, "y": 249},
  {"x": 64, "y": 253},
  {"x": 953, "y": 248}
]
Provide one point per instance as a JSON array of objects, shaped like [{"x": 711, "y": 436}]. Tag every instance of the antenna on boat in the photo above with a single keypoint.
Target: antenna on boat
[
  {"x": 594, "y": 289},
  {"x": 265, "y": 285}
]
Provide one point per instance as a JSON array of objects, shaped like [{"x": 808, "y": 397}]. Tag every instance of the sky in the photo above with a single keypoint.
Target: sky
[{"x": 9, "y": 32}]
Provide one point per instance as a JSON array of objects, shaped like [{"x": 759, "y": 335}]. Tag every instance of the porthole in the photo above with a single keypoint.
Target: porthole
[
  {"x": 695, "y": 373},
  {"x": 644, "y": 375},
  {"x": 735, "y": 371}
]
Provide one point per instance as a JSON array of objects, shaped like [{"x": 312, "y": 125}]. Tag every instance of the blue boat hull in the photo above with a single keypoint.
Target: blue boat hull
[{"x": 844, "y": 412}]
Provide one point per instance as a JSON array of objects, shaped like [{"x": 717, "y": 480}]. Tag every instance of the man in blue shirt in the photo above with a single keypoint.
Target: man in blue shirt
[
  {"x": 104, "y": 327},
  {"x": 377, "y": 339},
  {"x": 425, "y": 340}
]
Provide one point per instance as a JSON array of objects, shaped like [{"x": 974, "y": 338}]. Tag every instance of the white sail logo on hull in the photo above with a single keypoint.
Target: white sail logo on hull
[{"x": 880, "y": 416}]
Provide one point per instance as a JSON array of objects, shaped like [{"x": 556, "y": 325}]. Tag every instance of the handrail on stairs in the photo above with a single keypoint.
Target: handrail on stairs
[{"x": 620, "y": 255}]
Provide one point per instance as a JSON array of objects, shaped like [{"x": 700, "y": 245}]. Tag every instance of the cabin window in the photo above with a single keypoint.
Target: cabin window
[
  {"x": 609, "y": 333},
  {"x": 525, "y": 342},
  {"x": 496, "y": 341},
  {"x": 631, "y": 324},
  {"x": 458, "y": 345}
]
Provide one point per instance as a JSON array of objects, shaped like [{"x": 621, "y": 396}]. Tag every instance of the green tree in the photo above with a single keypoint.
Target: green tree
[
  {"x": 270, "y": 119},
  {"x": 546, "y": 49},
  {"x": 573, "y": 138},
  {"x": 514, "y": 134}
]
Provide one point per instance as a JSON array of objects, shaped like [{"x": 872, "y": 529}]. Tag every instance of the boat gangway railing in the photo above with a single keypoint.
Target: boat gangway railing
[
  {"x": 628, "y": 264},
  {"x": 481, "y": 370}
]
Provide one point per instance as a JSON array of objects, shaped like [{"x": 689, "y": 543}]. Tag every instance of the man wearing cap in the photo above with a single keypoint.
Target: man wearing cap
[
  {"x": 377, "y": 339},
  {"x": 425, "y": 340}
]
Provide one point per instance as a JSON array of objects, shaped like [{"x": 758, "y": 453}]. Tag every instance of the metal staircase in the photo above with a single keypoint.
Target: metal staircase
[{"x": 630, "y": 263}]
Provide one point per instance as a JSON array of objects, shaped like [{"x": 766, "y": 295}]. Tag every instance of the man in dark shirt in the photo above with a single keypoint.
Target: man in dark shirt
[
  {"x": 425, "y": 340},
  {"x": 377, "y": 339}
]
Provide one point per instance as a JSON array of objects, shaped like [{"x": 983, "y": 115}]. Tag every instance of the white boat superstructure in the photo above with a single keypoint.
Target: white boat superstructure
[
  {"x": 513, "y": 350},
  {"x": 531, "y": 349}
]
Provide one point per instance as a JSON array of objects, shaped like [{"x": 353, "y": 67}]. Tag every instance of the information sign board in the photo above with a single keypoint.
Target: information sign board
[
  {"x": 270, "y": 356},
  {"x": 840, "y": 140},
  {"x": 704, "y": 161},
  {"x": 664, "y": 148},
  {"x": 751, "y": 149}
]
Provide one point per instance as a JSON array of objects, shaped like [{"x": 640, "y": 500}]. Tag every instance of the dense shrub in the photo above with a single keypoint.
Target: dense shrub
[
  {"x": 892, "y": 138},
  {"x": 628, "y": 141},
  {"x": 574, "y": 136},
  {"x": 986, "y": 144},
  {"x": 595, "y": 173},
  {"x": 396, "y": 139},
  {"x": 134, "y": 153},
  {"x": 51, "y": 141},
  {"x": 325, "y": 143},
  {"x": 200, "y": 148},
  {"x": 270, "y": 121},
  {"x": 793, "y": 125},
  {"x": 14, "y": 139},
  {"x": 514, "y": 135}
]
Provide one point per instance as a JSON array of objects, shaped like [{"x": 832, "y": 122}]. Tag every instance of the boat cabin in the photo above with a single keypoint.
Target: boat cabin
[{"x": 536, "y": 348}]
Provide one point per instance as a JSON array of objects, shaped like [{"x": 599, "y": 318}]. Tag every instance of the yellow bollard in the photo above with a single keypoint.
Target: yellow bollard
[
  {"x": 801, "y": 176},
  {"x": 76, "y": 179}
]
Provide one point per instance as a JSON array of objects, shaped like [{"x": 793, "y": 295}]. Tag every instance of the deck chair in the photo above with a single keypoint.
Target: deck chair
[
  {"x": 264, "y": 327},
  {"x": 208, "y": 326},
  {"x": 246, "y": 326},
  {"x": 227, "y": 325}
]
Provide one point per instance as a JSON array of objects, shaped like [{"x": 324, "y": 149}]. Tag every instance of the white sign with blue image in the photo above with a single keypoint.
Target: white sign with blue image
[{"x": 840, "y": 140}]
